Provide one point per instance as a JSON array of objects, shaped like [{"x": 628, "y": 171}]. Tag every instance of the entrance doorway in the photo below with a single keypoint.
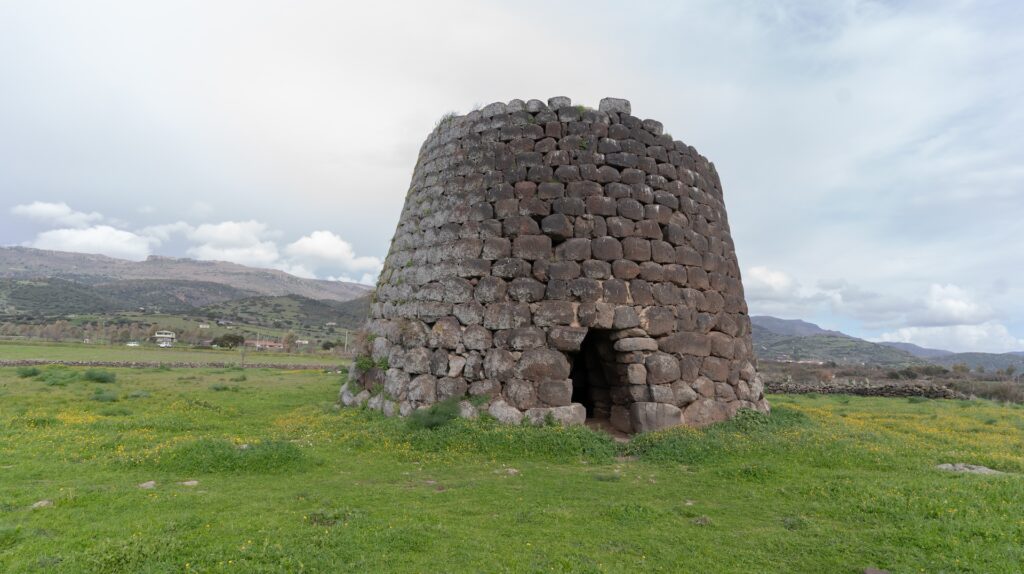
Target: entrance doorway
[{"x": 593, "y": 374}]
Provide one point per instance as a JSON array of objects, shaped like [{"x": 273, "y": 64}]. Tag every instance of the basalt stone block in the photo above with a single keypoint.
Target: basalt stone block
[
  {"x": 696, "y": 344},
  {"x": 531, "y": 247},
  {"x": 540, "y": 240},
  {"x": 649, "y": 416},
  {"x": 566, "y": 338},
  {"x": 615, "y": 105},
  {"x": 636, "y": 344},
  {"x": 542, "y": 364}
]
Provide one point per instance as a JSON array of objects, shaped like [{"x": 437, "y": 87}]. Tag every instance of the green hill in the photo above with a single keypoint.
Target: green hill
[
  {"x": 45, "y": 298},
  {"x": 291, "y": 312},
  {"x": 840, "y": 349}
]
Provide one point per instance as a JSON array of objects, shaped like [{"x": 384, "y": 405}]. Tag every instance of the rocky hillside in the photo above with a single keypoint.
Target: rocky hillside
[
  {"x": 793, "y": 340},
  {"x": 27, "y": 263}
]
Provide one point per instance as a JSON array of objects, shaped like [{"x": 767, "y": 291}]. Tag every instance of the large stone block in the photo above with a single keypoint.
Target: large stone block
[
  {"x": 661, "y": 368},
  {"x": 647, "y": 416},
  {"x": 542, "y": 364},
  {"x": 696, "y": 344}
]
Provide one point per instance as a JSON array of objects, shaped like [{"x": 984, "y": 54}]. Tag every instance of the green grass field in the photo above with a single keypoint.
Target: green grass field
[
  {"x": 85, "y": 352},
  {"x": 825, "y": 485}
]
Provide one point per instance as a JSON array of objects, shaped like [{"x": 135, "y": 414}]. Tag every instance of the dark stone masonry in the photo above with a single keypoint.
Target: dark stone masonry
[{"x": 556, "y": 261}]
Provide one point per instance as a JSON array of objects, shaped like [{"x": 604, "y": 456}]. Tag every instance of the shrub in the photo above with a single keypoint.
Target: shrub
[
  {"x": 438, "y": 414},
  {"x": 57, "y": 376},
  {"x": 1005, "y": 391},
  {"x": 139, "y": 394},
  {"x": 104, "y": 396},
  {"x": 364, "y": 363},
  {"x": 98, "y": 376},
  {"x": 222, "y": 387},
  {"x": 26, "y": 372},
  {"x": 115, "y": 412}
]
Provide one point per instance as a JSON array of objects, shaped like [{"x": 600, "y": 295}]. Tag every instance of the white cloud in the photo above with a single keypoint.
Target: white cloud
[
  {"x": 56, "y": 213},
  {"x": 254, "y": 243},
  {"x": 260, "y": 254},
  {"x": 366, "y": 279},
  {"x": 242, "y": 242},
  {"x": 327, "y": 248},
  {"x": 989, "y": 337},
  {"x": 165, "y": 231},
  {"x": 101, "y": 239},
  {"x": 765, "y": 283},
  {"x": 229, "y": 233},
  {"x": 950, "y": 305}
]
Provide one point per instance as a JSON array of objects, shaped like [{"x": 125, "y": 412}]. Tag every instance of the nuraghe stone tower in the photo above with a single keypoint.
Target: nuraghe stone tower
[{"x": 556, "y": 261}]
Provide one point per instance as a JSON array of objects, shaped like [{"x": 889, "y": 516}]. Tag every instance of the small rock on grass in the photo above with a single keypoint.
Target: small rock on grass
[
  {"x": 702, "y": 521},
  {"x": 148, "y": 485},
  {"x": 971, "y": 468},
  {"x": 189, "y": 483},
  {"x": 43, "y": 504},
  {"x": 875, "y": 571}
]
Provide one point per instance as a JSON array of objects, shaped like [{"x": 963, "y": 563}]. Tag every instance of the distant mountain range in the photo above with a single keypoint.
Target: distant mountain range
[
  {"x": 794, "y": 340},
  {"x": 917, "y": 351},
  {"x": 189, "y": 280}
]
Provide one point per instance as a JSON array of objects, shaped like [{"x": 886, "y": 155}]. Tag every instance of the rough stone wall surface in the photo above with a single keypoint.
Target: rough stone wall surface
[{"x": 556, "y": 261}]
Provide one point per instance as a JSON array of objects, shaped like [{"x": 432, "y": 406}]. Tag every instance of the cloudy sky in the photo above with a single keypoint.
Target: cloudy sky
[{"x": 870, "y": 151}]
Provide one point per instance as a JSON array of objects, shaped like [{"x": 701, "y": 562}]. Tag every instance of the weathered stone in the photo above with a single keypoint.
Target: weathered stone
[
  {"x": 715, "y": 368},
  {"x": 555, "y": 393},
  {"x": 683, "y": 394},
  {"x": 625, "y": 318},
  {"x": 636, "y": 249},
  {"x": 549, "y": 313},
  {"x": 423, "y": 389},
  {"x": 477, "y": 338},
  {"x": 506, "y": 315},
  {"x": 606, "y": 248},
  {"x": 566, "y": 338},
  {"x": 505, "y": 412},
  {"x": 615, "y": 105},
  {"x": 451, "y": 387},
  {"x": 542, "y": 364},
  {"x": 525, "y": 338},
  {"x": 661, "y": 368},
  {"x": 636, "y": 344},
  {"x": 417, "y": 361},
  {"x": 521, "y": 394},
  {"x": 557, "y": 226},
  {"x": 499, "y": 364},
  {"x": 575, "y": 249},
  {"x": 647, "y": 417},
  {"x": 446, "y": 333},
  {"x": 526, "y": 290},
  {"x": 696, "y": 344},
  {"x": 636, "y": 374},
  {"x": 531, "y": 247},
  {"x": 573, "y": 414},
  {"x": 703, "y": 412}
]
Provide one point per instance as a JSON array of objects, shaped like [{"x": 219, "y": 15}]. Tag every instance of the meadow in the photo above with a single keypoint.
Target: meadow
[
  {"x": 23, "y": 350},
  {"x": 285, "y": 482}
]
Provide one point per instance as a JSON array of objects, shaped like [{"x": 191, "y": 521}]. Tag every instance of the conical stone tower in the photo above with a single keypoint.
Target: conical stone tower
[{"x": 556, "y": 261}]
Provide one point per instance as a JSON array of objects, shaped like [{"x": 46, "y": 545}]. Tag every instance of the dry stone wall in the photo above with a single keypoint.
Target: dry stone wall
[{"x": 556, "y": 261}]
